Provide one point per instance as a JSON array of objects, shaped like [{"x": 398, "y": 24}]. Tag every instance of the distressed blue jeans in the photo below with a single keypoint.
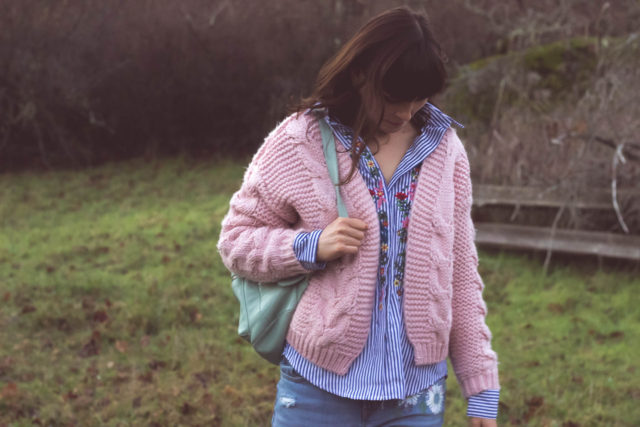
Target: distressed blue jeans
[{"x": 300, "y": 403}]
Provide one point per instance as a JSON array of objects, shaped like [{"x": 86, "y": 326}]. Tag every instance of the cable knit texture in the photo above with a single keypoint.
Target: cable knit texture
[{"x": 287, "y": 189}]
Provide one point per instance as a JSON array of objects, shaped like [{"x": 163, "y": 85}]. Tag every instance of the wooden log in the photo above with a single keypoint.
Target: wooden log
[
  {"x": 562, "y": 240},
  {"x": 541, "y": 197}
]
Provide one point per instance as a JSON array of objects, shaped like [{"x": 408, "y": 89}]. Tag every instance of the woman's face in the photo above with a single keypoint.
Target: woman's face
[{"x": 397, "y": 115}]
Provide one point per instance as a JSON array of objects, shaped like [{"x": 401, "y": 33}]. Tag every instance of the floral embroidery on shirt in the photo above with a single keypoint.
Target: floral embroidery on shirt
[
  {"x": 402, "y": 200},
  {"x": 378, "y": 195}
]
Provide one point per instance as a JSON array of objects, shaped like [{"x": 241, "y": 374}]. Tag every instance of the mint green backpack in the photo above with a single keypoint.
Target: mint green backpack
[{"x": 266, "y": 309}]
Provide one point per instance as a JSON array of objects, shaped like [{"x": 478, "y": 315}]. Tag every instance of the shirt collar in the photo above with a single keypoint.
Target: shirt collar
[{"x": 435, "y": 119}]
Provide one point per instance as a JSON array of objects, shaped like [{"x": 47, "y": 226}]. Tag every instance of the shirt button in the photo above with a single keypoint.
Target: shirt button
[{"x": 380, "y": 306}]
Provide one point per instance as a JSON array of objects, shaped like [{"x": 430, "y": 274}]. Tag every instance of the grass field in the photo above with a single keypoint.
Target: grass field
[{"x": 116, "y": 310}]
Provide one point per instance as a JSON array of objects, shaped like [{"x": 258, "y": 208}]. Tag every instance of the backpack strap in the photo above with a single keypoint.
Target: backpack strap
[{"x": 329, "y": 148}]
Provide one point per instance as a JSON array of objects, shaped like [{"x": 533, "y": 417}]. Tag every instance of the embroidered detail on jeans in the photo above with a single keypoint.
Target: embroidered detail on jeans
[
  {"x": 287, "y": 402},
  {"x": 409, "y": 401},
  {"x": 435, "y": 398}
]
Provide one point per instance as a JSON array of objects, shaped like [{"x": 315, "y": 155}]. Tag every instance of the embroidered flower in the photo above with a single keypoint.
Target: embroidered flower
[
  {"x": 409, "y": 401},
  {"x": 370, "y": 163},
  {"x": 384, "y": 247},
  {"x": 400, "y": 195},
  {"x": 412, "y": 190},
  {"x": 379, "y": 194},
  {"x": 435, "y": 398},
  {"x": 396, "y": 282},
  {"x": 384, "y": 258}
]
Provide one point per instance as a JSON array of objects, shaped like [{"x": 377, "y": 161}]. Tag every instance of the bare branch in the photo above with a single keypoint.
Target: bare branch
[
  {"x": 617, "y": 157},
  {"x": 554, "y": 227}
]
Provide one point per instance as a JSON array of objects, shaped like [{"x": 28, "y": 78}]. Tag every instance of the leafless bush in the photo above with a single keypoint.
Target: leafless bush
[
  {"x": 88, "y": 81},
  {"x": 84, "y": 81}
]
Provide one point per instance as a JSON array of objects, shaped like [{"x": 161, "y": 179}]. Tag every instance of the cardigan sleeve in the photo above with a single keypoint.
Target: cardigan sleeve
[
  {"x": 257, "y": 234},
  {"x": 474, "y": 363}
]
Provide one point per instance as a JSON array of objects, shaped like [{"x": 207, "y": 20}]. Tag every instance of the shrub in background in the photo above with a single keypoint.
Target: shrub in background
[{"x": 87, "y": 81}]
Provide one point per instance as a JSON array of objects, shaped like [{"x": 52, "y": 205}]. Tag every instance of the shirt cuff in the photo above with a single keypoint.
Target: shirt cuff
[
  {"x": 305, "y": 246},
  {"x": 484, "y": 404}
]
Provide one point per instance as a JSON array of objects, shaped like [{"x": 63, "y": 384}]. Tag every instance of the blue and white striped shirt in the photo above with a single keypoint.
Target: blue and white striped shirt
[{"x": 385, "y": 369}]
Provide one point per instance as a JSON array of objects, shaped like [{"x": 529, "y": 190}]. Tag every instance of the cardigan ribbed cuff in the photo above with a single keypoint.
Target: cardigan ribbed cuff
[{"x": 487, "y": 380}]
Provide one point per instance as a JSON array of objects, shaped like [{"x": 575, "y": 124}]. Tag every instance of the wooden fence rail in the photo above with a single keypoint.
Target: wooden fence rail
[
  {"x": 530, "y": 196},
  {"x": 550, "y": 238}
]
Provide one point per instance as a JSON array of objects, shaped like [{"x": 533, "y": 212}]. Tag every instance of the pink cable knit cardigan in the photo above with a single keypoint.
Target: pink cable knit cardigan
[{"x": 287, "y": 190}]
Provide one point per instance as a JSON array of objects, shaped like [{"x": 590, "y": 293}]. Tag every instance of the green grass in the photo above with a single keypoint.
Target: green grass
[{"x": 116, "y": 310}]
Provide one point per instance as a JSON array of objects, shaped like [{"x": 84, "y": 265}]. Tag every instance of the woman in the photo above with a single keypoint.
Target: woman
[{"x": 389, "y": 299}]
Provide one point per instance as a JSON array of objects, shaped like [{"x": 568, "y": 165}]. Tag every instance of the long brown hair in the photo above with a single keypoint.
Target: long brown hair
[{"x": 399, "y": 60}]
